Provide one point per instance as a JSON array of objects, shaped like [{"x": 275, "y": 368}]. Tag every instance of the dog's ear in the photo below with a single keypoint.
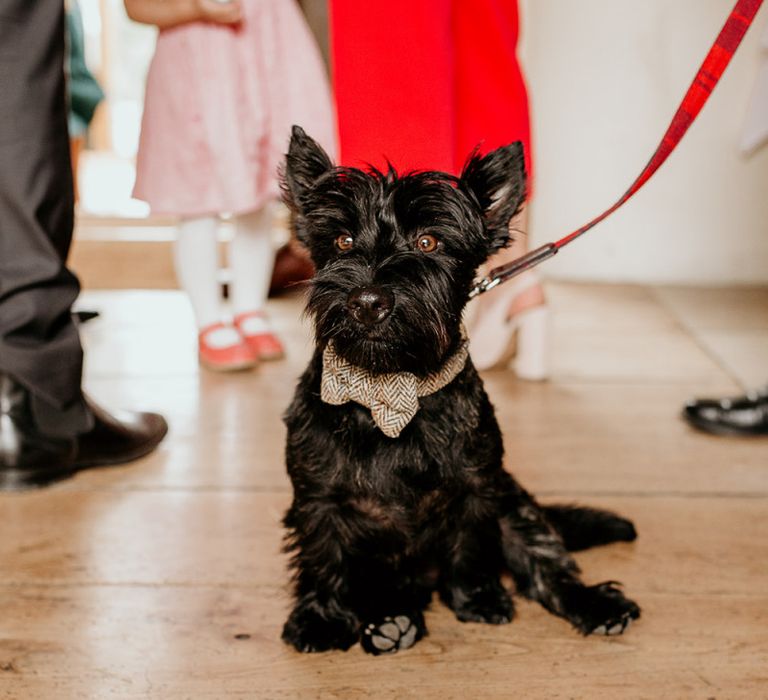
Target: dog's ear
[
  {"x": 305, "y": 163},
  {"x": 497, "y": 182}
]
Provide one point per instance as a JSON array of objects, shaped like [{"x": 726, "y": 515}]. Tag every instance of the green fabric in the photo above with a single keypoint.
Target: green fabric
[{"x": 85, "y": 93}]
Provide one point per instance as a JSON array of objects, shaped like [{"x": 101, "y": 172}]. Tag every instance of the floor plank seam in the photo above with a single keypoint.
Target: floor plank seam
[{"x": 696, "y": 338}]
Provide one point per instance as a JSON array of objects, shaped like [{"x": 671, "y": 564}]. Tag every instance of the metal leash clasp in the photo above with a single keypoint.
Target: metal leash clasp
[{"x": 506, "y": 272}]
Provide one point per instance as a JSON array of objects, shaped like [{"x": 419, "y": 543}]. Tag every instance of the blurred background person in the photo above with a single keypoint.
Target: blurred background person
[
  {"x": 422, "y": 85},
  {"x": 227, "y": 81}
]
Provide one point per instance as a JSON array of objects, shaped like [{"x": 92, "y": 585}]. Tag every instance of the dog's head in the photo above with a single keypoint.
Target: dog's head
[{"x": 396, "y": 255}]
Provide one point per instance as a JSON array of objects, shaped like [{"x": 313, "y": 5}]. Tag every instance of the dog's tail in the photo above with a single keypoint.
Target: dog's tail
[{"x": 581, "y": 527}]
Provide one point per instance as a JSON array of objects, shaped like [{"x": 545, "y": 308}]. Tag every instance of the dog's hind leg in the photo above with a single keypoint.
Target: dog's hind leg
[
  {"x": 544, "y": 571},
  {"x": 581, "y": 527}
]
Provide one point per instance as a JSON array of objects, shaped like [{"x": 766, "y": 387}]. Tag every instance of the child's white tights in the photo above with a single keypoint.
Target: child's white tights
[{"x": 251, "y": 257}]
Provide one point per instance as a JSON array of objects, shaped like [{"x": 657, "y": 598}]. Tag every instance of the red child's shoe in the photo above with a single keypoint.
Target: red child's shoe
[
  {"x": 255, "y": 330},
  {"x": 228, "y": 358}
]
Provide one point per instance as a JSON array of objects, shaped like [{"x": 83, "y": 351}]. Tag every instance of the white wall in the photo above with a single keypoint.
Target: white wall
[{"x": 605, "y": 77}]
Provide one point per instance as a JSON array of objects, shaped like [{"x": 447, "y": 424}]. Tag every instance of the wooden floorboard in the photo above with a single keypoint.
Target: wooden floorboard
[
  {"x": 686, "y": 545},
  {"x": 136, "y": 582},
  {"x": 182, "y": 642}
]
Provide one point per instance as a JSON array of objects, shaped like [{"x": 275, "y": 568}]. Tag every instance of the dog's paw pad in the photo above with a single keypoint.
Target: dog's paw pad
[
  {"x": 408, "y": 630},
  {"x": 382, "y": 638},
  {"x": 391, "y": 635}
]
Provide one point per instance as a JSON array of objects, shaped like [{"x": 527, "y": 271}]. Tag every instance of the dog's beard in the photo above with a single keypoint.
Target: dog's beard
[{"x": 416, "y": 337}]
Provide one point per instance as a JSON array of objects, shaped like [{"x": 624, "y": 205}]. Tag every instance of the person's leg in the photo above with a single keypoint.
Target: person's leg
[
  {"x": 510, "y": 324},
  {"x": 39, "y": 343},
  {"x": 491, "y": 111},
  {"x": 48, "y": 429},
  {"x": 196, "y": 257},
  {"x": 251, "y": 260}
]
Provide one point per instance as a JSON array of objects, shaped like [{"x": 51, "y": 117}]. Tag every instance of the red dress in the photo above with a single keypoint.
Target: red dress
[{"x": 422, "y": 82}]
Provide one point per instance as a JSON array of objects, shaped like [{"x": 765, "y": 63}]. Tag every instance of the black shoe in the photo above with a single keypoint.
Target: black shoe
[
  {"x": 743, "y": 415},
  {"x": 29, "y": 459}
]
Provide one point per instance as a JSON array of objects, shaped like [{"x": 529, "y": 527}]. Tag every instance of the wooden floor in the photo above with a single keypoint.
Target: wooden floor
[{"x": 164, "y": 579}]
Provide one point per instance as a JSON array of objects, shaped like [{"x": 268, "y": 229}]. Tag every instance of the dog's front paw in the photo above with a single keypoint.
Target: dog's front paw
[
  {"x": 489, "y": 603},
  {"x": 392, "y": 634},
  {"x": 603, "y": 609},
  {"x": 308, "y": 630}
]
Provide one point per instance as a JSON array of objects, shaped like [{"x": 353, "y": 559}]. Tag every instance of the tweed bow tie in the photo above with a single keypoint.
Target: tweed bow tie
[{"x": 393, "y": 398}]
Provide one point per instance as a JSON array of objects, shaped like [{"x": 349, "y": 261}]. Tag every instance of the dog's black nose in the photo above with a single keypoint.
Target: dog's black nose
[{"x": 370, "y": 305}]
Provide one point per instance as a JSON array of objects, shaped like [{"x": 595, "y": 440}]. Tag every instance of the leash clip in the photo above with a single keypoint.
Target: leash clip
[
  {"x": 512, "y": 269},
  {"x": 484, "y": 285}
]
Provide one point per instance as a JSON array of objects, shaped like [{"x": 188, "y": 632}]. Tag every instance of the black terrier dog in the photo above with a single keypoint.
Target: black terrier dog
[{"x": 393, "y": 448}]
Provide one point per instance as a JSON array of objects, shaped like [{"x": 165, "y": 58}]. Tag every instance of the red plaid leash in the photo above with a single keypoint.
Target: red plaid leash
[{"x": 701, "y": 88}]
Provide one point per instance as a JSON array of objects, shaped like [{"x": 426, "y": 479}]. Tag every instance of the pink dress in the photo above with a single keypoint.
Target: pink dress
[{"x": 219, "y": 106}]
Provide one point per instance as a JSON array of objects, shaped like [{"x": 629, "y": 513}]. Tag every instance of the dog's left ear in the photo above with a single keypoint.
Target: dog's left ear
[
  {"x": 497, "y": 181},
  {"x": 305, "y": 163}
]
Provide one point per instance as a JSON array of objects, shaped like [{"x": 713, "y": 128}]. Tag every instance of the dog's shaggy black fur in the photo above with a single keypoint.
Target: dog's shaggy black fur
[{"x": 377, "y": 524}]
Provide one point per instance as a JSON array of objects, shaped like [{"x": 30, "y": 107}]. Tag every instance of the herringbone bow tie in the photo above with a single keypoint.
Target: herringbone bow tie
[{"x": 393, "y": 398}]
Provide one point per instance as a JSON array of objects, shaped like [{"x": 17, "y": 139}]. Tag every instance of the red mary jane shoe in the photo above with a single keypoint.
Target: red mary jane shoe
[
  {"x": 255, "y": 330},
  {"x": 229, "y": 358}
]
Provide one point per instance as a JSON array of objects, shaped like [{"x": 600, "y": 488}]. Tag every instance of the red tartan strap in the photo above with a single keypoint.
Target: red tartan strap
[{"x": 701, "y": 88}]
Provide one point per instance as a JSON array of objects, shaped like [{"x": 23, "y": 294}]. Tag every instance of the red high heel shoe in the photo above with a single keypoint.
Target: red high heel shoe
[{"x": 257, "y": 334}]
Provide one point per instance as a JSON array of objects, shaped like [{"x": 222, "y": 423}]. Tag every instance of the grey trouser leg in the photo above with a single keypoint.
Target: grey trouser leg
[{"x": 39, "y": 343}]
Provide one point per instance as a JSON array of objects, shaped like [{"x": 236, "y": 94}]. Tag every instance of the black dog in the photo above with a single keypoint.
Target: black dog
[{"x": 379, "y": 522}]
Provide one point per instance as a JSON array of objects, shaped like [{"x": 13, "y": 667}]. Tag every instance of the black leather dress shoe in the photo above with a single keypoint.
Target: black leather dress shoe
[
  {"x": 29, "y": 459},
  {"x": 743, "y": 415}
]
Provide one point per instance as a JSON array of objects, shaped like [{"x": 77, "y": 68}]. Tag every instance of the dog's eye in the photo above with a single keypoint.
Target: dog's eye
[
  {"x": 427, "y": 243},
  {"x": 344, "y": 242}
]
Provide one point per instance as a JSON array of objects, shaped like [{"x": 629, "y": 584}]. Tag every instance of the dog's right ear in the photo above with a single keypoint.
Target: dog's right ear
[
  {"x": 497, "y": 181},
  {"x": 305, "y": 163}
]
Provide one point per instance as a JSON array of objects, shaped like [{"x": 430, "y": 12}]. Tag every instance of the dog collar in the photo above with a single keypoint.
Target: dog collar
[{"x": 392, "y": 398}]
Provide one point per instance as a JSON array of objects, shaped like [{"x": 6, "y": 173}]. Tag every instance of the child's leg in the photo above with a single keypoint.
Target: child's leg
[
  {"x": 252, "y": 258},
  {"x": 196, "y": 258}
]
